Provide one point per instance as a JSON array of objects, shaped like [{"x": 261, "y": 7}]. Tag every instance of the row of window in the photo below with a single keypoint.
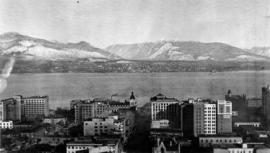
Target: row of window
[{"x": 219, "y": 141}]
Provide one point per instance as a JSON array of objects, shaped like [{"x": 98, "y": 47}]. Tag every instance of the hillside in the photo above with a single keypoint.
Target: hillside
[
  {"x": 29, "y": 48},
  {"x": 183, "y": 51}
]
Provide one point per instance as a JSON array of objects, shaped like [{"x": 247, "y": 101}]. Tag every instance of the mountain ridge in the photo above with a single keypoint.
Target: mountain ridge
[
  {"x": 27, "y": 47},
  {"x": 183, "y": 50},
  {"x": 32, "y": 48}
]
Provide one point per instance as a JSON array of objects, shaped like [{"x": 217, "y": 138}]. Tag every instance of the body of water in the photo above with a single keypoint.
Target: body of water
[{"x": 63, "y": 87}]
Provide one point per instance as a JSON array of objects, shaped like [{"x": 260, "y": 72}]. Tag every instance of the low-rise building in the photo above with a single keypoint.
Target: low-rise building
[
  {"x": 6, "y": 124},
  {"x": 93, "y": 108},
  {"x": 121, "y": 123},
  {"x": 207, "y": 141},
  {"x": 252, "y": 124},
  {"x": 99, "y": 126},
  {"x": 112, "y": 145},
  {"x": 233, "y": 149},
  {"x": 54, "y": 120},
  {"x": 241, "y": 148},
  {"x": 160, "y": 124},
  {"x": 166, "y": 145}
]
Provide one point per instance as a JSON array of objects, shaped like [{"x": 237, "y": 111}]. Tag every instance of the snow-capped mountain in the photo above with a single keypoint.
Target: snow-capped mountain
[
  {"x": 188, "y": 51},
  {"x": 27, "y": 47}
]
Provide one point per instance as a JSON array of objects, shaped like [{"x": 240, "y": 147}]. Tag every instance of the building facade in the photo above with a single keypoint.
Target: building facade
[
  {"x": 98, "y": 146},
  {"x": 243, "y": 148},
  {"x": 199, "y": 119},
  {"x": 24, "y": 108},
  {"x": 6, "y": 124},
  {"x": 166, "y": 108},
  {"x": 157, "y": 124},
  {"x": 35, "y": 107},
  {"x": 207, "y": 141},
  {"x": 101, "y": 126},
  {"x": 224, "y": 117},
  {"x": 210, "y": 119},
  {"x": 121, "y": 123},
  {"x": 86, "y": 109},
  {"x": 10, "y": 109}
]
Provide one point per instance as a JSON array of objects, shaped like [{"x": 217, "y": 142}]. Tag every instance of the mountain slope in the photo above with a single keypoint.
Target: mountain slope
[
  {"x": 262, "y": 51},
  {"x": 33, "y": 48},
  {"x": 188, "y": 51}
]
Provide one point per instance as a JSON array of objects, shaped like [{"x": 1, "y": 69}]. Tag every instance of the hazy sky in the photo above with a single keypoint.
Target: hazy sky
[{"x": 243, "y": 23}]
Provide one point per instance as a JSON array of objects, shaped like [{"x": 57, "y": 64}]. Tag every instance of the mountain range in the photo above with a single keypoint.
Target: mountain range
[
  {"x": 30, "y": 48},
  {"x": 186, "y": 51}
]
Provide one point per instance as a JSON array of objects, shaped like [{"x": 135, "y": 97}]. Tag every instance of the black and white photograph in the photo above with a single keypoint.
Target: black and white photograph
[{"x": 134, "y": 76}]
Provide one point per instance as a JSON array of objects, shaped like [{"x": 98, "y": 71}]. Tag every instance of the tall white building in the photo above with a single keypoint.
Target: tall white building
[
  {"x": 204, "y": 118},
  {"x": 210, "y": 119}
]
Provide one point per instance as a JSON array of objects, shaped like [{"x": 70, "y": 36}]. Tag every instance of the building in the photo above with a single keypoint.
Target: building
[
  {"x": 188, "y": 120},
  {"x": 112, "y": 145},
  {"x": 101, "y": 126},
  {"x": 89, "y": 109},
  {"x": 242, "y": 148},
  {"x": 250, "y": 124},
  {"x": 224, "y": 117},
  {"x": 10, "y": 109},
  {"x": 166, "y": 145},
  {"x": 132, "y": 100},
  {"x": 239, "y": 106},
  {"x": 166, "y": 108},
  {"x": 266, "y": 103},
  {"x": 35, "y": 107},
  {"x": 167, "y": 140},
  {"x": 97, "y": 107},
  {"x": 54, "y": 120},
  {"x": 24, "y": 108},
  {"x": 199, "y": 118},
  {"x": 121, "y": 123},
  {"x": 160, "y": 124},
  {"x": 209, "y": 119},
  {"x": 207, "y": 141},
  {"x": 6, "y": 124},
  {"x": 254, "y": 102}
]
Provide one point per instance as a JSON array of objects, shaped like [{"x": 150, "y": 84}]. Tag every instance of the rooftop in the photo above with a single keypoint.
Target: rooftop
[
  {"x": 160, "y": 97},
  {"x": 96, "y": 141}
]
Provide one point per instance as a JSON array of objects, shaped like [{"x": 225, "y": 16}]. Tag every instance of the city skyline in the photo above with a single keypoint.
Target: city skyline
[{"x": 243, "y": 24}]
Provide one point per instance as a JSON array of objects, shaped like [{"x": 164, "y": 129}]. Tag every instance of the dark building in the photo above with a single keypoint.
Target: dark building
[
  {"x": 187, "y": 119},
  {"x": 266, "y": 103},
  {"x": 239, "y": 106}
]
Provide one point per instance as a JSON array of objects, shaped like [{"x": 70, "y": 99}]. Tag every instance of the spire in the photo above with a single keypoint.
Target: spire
[{"x": 132, "y": 96}]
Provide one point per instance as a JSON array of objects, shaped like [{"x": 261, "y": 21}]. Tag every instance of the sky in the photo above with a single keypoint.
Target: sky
[{"x": 241, "y": 23}]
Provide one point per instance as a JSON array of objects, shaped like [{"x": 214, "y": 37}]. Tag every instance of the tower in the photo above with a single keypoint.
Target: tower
[{"x": 132, "y": 100}]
